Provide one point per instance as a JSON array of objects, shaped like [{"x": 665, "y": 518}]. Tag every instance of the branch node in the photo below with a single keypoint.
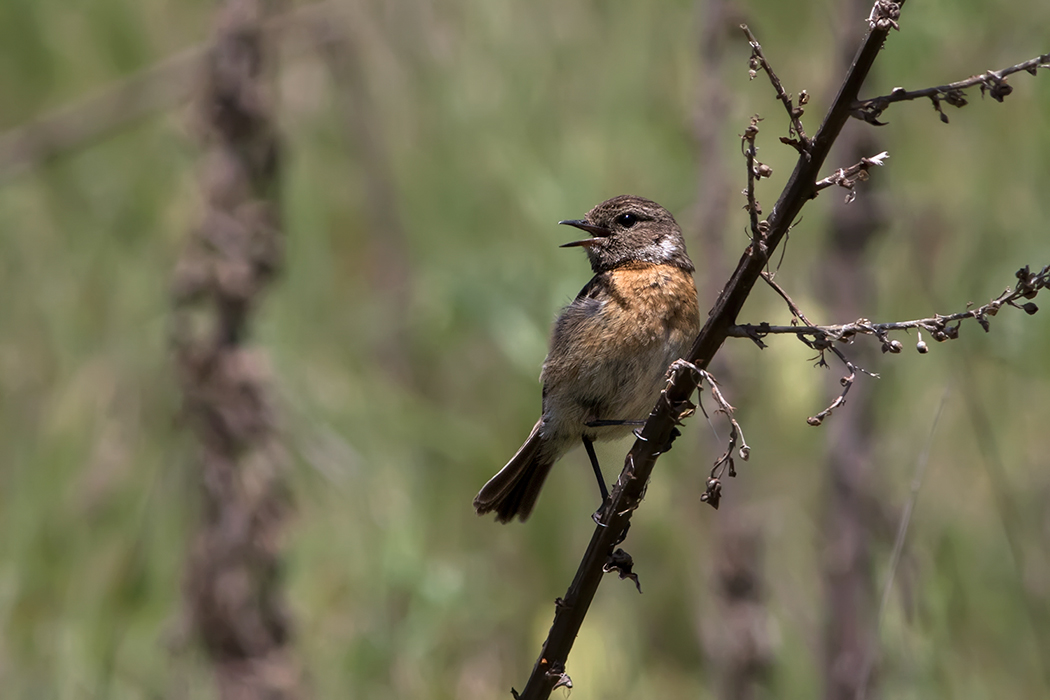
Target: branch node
[
  {"x": 884, "y": 15},
  {"x": 847, "y": 178},
  {"x": 557, "y": 672},
  {"x": 622, "y": 563}
]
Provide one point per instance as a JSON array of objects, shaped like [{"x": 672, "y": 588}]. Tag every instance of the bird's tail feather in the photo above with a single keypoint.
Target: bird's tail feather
[{"x": 514, "y": 490}]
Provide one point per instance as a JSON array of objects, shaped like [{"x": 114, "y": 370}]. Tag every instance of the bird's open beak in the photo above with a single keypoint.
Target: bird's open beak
[{"x": 597, "y": 231}]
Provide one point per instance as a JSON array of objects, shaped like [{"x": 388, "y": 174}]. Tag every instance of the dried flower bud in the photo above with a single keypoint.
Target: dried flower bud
[
  {"x": 956, "y": 98},
  {"x": 814, "y": 420},
  {"x": 713, "y": 494},
  {"x": 1029, "y": 308},
  {"x": 999, "y": 90},
  {"x": 893, "y": 346},
  {"x": 922, "y": 347}
]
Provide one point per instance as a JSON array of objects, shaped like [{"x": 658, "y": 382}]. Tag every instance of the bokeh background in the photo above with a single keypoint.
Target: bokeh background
[{"x": 423, "y": 182}]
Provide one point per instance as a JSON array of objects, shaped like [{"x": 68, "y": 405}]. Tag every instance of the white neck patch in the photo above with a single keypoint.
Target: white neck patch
[{"x": 669, "y": 246}]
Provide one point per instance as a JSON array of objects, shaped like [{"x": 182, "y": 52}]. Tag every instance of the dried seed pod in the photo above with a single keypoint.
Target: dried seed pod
[{"x": 892, "y": 346}]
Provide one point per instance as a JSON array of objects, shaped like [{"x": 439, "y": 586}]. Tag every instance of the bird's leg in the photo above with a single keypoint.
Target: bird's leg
[
  {"x": 589, "y": 446},
  {"x": 606, "y": 423}
]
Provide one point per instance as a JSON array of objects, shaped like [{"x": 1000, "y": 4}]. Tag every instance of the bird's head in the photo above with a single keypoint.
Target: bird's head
[{"x": 629, "y": 229}]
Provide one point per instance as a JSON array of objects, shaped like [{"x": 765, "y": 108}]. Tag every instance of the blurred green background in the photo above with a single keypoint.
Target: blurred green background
[{"x": 406, "y": 335}]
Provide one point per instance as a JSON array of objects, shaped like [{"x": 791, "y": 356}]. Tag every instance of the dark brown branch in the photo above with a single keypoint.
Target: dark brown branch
[
  {"x": 656, "y": 435},
  {"x": 993, "y": 82},
  {"x": 758, "y": 60}
]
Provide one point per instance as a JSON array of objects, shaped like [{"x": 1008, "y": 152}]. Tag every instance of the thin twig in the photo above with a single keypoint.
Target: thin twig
[
  {"x": 736, "y": 435},
  {"x": 748, "y": 146},
  {"x": 847, "y": 384},
  {"x": 1028, "y": 286},
  {"x": 796, "y": 312},
  {"x": 898, "y": 547},
  {"x": 758, "y": 60},
  {"x": 1007, "y": 507},
  {"x": 993, "y": 82},
  {"x": 849, "y": 177}
]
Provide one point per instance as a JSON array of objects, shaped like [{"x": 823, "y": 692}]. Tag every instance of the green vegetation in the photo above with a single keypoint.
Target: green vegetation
[{"x": 405, "y": 342}]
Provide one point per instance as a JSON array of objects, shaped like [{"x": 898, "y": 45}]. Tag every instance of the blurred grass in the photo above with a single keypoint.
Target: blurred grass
[{"x": 496, "y": 121}]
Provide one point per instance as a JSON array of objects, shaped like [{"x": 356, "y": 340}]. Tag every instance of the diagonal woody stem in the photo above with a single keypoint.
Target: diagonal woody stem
[{"x": 655, "y": 437}]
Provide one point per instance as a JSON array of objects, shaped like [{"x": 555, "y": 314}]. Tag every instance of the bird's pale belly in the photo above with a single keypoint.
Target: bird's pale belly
[
  {"x": 619, "y": 389},
  {"x": 646, "y": 318}
]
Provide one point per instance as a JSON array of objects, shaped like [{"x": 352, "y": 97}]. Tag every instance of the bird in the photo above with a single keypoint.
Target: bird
[{"x": 610, "y": 348}]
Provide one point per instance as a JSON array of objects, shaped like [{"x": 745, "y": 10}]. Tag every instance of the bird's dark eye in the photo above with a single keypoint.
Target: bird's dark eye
[{"x": 627, "y": 220}]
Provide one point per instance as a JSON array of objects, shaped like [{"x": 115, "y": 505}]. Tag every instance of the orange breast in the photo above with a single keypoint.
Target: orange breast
[{"x": 656, "y": 302}]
